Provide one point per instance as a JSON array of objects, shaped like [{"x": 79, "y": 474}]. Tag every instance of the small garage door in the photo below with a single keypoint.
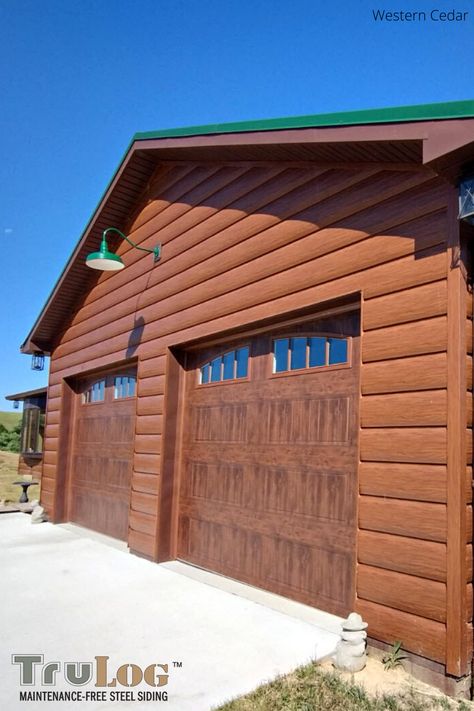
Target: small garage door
[
  {"x": 102, "y": 453},
  {"x": 269, "y": 461}
]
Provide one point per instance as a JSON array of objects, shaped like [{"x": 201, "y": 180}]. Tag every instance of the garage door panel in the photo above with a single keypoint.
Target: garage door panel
[
  {"x": 101, "y": 462},
  {"x": 291, "y": 569},
  {"x": 308, "y": 491},
  {"x": 285, "y": 526},
  {"x": 308, "y": 420},
  {"x": 226, "y": 422},
  {"x": 269, "y": 472}
]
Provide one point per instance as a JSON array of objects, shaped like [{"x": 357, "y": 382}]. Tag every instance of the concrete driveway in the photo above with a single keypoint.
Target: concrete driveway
[{"x": 71, "y": 597}]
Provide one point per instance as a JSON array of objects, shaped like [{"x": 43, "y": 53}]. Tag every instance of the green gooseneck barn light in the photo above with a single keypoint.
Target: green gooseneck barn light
[{"x": 107, "y": 261}]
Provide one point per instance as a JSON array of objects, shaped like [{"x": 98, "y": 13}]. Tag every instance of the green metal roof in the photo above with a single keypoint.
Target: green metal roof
[{"x": 397, "y": 114}]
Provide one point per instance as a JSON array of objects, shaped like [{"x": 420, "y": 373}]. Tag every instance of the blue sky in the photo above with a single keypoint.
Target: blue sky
[{"x": 79, "y": 78}]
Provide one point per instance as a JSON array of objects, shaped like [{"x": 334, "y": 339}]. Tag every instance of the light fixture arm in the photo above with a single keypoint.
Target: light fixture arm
[{"x": 156, "y": 251}]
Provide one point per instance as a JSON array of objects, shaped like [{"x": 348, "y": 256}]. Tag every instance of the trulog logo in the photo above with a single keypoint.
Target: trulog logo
[{"x": 34, "y": 670}]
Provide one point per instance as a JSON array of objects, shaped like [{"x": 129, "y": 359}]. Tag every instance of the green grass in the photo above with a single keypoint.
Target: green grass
[
  {"x": 9, "y": 474},
  {"x": 9, "y": 419},
  {"x": 311, "y": 689}
]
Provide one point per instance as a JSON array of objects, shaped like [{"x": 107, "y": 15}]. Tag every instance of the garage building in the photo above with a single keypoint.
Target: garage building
[{"x": 285, "y": 397}]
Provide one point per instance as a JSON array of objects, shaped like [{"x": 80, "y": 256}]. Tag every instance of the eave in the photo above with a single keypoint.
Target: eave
[{"x": 437, "y": 136}]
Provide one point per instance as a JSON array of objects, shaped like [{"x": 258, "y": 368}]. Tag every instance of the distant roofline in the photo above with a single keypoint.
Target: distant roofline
[
  {"x": 397, "y": 114},
  {"x": 27, "y": 393}
]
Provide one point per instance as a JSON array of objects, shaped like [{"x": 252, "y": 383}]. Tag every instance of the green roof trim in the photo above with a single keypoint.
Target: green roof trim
[{"x": 397, "y": 114}]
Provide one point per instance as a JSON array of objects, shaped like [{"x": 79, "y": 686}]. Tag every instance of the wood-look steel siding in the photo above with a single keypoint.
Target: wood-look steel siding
[{"x": 244, "y": 244}]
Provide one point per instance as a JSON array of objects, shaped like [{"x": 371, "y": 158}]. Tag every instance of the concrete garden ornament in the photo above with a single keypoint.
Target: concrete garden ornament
[
  {"x": 350, "y": 654},
  {"x": 38, "y": 514}
]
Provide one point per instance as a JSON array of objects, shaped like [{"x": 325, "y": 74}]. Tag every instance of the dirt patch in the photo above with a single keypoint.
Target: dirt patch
[{"x": 395, "y": 682}]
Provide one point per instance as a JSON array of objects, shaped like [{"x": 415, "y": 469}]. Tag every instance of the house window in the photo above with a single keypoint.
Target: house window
[
  {"x": 32, "y": 430},
  {"x": 302, "y": 352},
  {"x": 124, "y": 386},
  {"x": 95, "y": 392},
  {"x": 230, "y": 366}
]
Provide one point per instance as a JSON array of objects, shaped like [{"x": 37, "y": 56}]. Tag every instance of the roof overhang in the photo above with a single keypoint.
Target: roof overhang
[
  {"x": 26, "y": 394},
  {"x": 438, "y": 137}
]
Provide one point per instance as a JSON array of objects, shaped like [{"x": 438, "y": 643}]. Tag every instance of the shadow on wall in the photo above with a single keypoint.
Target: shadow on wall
[{"x": 135, "y": 337}]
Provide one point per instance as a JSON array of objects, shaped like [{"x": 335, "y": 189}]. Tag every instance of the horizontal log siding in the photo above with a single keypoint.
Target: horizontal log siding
[
  {"x": 243, "y": 245},
  {"x": 401, "y": 578}
]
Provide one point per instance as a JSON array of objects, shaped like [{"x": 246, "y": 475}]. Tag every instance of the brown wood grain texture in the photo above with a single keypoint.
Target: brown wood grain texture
[
  {"x": 407, "y": 555},
  {"x": 175, "y": 198},
  {"x": 238, "y": 484},
  {"x": 151, "y": 297},
  {"x": 47, "y": 500},
  {"x": 141, "y": 543},
  {"x": 48, "y": 484},
  {"x": 468, "y": 446},
  {"x": 411, "y": 305},
  {"x": 53, "y": 417},
  {"x": 468, "y": 483},
  {"x": 427, "y": 266},
  {"x": 425, "y": 372},
  {"x": 51, "y": 456},
  {"x": 149, "y": 424},
  {"x": 220, "y": 254},
  {"x": 404, "y": 518},
  {"x": 423, "y": 445},
  {"x": 289, "y": 259},
  {"x": 411, "y": 409},
  {"x": 150, "y": 405},
  {"x": 151, "y": 367},
  {"x": 154, "y": 385},
  {"x": 419, "y": 635},
  {"x": 145, "y": 483},
  {"x": 148, "y": 443},
  {"x": 142, "y": 522},
  {"x": 53, "y": 430},
  {"x": 327, "y": 268},
  {"x": 231, "y": 188},
  {"x": 419, "y": 596},
  {"x": 418, "y": 482},
  {"x": 146, "y": 463},
  {"x": 257, "y": 189},
  {"x": 394, "y": 266},
  {"x": 168, "y": 515},
  {"x": 456, "y": 661},
  {"x": 98, "y": 460},
  {"x": 410, "y": 339},
  {"x": 385, "y": 278},
  {"x": 469, "y": 523},
  {"x": 470, "y": 603},
  {"x": 144, "y": 503}
]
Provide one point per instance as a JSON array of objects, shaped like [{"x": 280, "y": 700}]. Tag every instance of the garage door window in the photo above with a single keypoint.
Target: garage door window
[
  {"x": 302, "y": 352},
  {"x": 95, "y": 392},
  {"x": 229, "y": 366},
  {"x": 124, "y": 386}
]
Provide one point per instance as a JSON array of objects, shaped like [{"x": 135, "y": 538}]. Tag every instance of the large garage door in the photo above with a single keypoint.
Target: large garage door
[
  {"x": 269, "y": 461},
  {"x": 102, "y": 453}
]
